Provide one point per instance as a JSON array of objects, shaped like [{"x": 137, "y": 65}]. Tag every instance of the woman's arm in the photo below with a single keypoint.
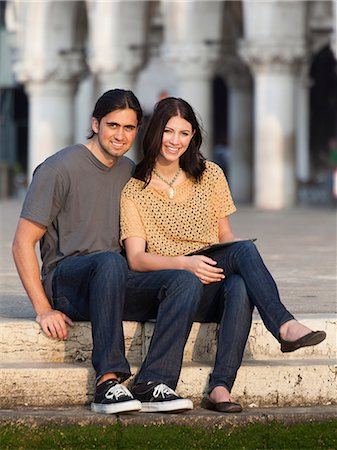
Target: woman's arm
[
  {"x": 225, "y": 231},
  {"x": 141, "y": 261}
]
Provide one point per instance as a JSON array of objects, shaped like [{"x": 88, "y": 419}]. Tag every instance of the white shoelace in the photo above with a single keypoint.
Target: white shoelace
[
  {"x": 162, "y": 390},
  {"x": 117, "y": 391}
]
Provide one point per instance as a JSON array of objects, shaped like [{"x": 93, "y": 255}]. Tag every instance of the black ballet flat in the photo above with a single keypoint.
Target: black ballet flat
[
  {"x": 223, "y": 407},
  {"x": 313, "y": 338}
]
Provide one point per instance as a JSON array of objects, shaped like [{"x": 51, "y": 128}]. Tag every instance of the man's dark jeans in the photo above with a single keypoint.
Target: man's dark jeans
[{"x": 93, "y": 287}]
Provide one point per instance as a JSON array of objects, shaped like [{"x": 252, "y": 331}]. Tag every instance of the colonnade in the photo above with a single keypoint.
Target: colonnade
[{"x": 67, "y": 53}]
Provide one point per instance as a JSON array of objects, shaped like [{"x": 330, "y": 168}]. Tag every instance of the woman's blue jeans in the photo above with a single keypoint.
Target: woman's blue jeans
[
  {"x": 242, "y": 258},
  {"x": 248, "y": 283},
  {"x": 229, "y": 305}
]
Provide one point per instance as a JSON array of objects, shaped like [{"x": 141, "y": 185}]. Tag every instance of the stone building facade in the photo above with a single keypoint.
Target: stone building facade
[{"x": 66, "y": 53}]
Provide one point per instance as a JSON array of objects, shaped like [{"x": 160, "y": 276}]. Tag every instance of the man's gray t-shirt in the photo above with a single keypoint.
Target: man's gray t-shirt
[{"x": 77, "y": 198}]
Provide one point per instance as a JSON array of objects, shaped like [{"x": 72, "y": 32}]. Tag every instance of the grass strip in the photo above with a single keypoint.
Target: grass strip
[{"x": 275, "y": 435}]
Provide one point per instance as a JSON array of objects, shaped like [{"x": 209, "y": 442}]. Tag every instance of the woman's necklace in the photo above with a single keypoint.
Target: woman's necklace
[{"x": 171, "y": 192}]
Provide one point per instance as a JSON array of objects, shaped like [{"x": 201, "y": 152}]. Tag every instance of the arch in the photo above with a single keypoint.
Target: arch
[{"x": 323, "y": 106}]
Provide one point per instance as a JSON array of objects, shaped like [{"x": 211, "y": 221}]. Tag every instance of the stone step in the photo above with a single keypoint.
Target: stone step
[
  {"x": 23, "y": 340},
  {"x": 264, "y": 383}
]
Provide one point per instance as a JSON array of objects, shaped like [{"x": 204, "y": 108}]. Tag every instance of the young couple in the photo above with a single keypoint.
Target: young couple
[{"x": 175, "y": 204}]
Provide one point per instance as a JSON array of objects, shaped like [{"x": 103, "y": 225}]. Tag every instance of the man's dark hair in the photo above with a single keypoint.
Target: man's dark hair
[
  {"x": 112, "y": 101},
  {"x": 192, "y": 161}
]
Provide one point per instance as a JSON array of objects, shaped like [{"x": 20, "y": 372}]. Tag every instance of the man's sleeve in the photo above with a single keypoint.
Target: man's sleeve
[{"x": 45, "y": 196}]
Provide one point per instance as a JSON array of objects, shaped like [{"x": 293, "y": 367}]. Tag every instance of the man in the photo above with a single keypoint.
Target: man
[{"x": 72, "y": 209}]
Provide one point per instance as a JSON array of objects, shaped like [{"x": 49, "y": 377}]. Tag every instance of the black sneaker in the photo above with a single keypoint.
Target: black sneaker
[
  {"x": 158, "y": 397},
  {"x": 112, "y": 398}
]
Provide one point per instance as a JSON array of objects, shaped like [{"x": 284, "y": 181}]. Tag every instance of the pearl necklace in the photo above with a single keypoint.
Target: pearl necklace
[{"x": 171, "y": 192}]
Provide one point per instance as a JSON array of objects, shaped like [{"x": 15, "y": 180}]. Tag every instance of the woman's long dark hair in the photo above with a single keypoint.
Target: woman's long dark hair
[{"x": 192, "y": 161}]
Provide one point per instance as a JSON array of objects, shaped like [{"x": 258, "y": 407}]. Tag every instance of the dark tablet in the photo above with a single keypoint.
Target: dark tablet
[{"x": 214, "y": 247}]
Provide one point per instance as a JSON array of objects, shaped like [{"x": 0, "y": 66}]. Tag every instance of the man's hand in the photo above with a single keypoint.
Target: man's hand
[{"x": 54, "y": 324}]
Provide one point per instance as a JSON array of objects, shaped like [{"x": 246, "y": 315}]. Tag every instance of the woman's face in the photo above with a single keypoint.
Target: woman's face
[{"x": 176, "y": 138}]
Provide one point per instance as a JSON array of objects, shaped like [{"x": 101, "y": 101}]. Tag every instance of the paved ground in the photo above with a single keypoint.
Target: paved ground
[
  {"x": 198, "y": 417},
  {"x": 298, "y": 246}
]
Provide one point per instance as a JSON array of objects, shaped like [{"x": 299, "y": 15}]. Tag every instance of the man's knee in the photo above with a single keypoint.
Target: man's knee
[
  {"x": 111, "y": 263},
  {"x": 111, "y": 259}
]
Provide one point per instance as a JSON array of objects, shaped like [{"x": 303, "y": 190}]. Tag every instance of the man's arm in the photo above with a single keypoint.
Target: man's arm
[{"x": 52, "y": 322}]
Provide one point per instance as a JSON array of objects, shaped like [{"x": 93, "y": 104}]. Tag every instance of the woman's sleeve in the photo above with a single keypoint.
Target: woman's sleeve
[
  {"x": 130, "y": 220},
  {"x": 221, "y": 195}
]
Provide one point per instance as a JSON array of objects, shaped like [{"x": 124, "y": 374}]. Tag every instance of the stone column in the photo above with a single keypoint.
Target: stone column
[
  {"x": 274, "y": 119},
  {"x": 84, "y": 102},
  {"x": 191, "y": 39},
  {"x": 274, "y": 45},
  {"x": 334, "y": 31},
  {"x": 51, "y": 119},
  {"x": 51, "y": 91},
  {"x": 115, "y": 60},
  {"x": 116, "y": 44},
  {"x": 240, "y": 105},
  {"x": 48, "y": 61},
  {"x": 194, "y": 85},
  {"x": 302, "y": 126}
]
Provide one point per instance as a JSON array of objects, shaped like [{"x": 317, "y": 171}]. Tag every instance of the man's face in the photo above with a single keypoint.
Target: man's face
[{"x": 115, "y": 134}]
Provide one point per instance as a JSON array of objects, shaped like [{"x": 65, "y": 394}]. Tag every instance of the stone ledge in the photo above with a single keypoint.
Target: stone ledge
[
  {"x": 259, "y": 383},
  {"x": 23, "y": 340}
]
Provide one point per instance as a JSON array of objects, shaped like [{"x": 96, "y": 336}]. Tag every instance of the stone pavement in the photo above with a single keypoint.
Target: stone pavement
[
  {"x": 198, "y": 417},
  {"x": 298, "y": 246}
]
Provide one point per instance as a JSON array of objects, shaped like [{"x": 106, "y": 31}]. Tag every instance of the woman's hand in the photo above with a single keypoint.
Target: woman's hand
[
  {"x": 204, "y": 268},
  {"x": 201, "y": 266}
]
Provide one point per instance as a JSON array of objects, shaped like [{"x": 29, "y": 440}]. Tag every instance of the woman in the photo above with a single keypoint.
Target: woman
[{"x": 177, "y": 203}]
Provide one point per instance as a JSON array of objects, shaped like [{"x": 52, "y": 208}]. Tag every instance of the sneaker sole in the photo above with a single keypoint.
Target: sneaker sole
[
  {"x": 115, "y": 408},
  {"x": 167, "y": 406}
]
